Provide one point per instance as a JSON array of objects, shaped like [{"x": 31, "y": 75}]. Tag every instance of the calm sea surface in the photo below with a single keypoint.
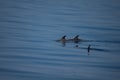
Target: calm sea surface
[{"x": 29, "y": 28}]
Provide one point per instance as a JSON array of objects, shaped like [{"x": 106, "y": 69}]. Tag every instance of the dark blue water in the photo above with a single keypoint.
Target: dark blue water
[{"x": 29, "y": 28}]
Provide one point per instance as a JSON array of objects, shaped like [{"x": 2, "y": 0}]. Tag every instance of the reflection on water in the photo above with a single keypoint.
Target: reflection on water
[{"x": 29, "y": 30}]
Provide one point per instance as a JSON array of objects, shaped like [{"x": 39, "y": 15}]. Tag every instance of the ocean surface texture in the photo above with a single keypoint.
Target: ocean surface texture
[{"x": 29, "y": 30}]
